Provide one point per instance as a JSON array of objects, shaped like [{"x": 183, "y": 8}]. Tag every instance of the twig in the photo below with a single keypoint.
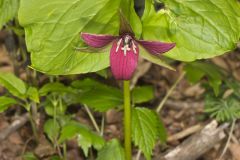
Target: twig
[
  {"x": 92, "y": 119},
  {"x": 199, "y": 143},
  {"x": 228, "y": 140},
  {"x": 138, "y": 155},
  {"x": 14, "y": 126},
  {"x": 102, "y": 126},
  {"x": 185, "y": 133},
  {"x": 170, "y": 92}
]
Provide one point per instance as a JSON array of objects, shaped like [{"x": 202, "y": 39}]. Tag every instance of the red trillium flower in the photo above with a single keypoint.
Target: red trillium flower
[{"x": 125, "y": 49}]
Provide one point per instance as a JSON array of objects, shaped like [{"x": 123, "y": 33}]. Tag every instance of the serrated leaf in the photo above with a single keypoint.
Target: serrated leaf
[
  {"x": 13, "y": 84},
  {"x": 97, "y": 95},
  {"x": 195, "y": 26},
  {"x": 86, "y": 138},
  {"x": 8, "y": 10},
  {"x": 52, "y": 129},
  {"x": 162, "y": 132},
  {"x": 145, "y": 130},
  {"x": 142, "y": 94},
  {"x": 32, "y": 93},
  {"x": 53, "y": 31},
  {"x": 6, "y": 102},
  {"x": 112, "y": 150}
]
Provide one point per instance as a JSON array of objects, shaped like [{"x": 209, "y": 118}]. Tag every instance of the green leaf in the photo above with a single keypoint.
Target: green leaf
[
  {"x": 127, "y": 7},
  {"x": 86, "y": 138},
  {"x": 14, "y": 85},
  {"x": 112, "y": 150},
  {"x": 29, "y": 156},
  {"x": 52, "y": 129},
  {"x": 96, "y": 95},
  {"x": 61, "y": 107},
  {"x": 154, "y": 59},
  {"x": 8, "y": 10},
  {"x": 142, "y": 94},
  {"x": 145, "y": 130},
  {"x": 222, "y": 109},
  {"x": 195, "y": 26},
  {"x": 53, "y": 31},
  {"x": 55, "y": 158},
  {"x": 162, "y": 132},
  {"x": 6, "y": 102},
  {"x": 55, "y": 87},
  {"x": 197, "y": 70},
  {"x": 32, "y": 93}
]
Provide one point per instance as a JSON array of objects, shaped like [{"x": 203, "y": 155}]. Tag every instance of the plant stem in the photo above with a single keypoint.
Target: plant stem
[
  {"x": 127, "y": 120},
  {"x": 65, "y": 151},
  {"x": 170, "y": 92},
  {"x": 92, "y": 118},
  {"x": 34, "y": 128}
]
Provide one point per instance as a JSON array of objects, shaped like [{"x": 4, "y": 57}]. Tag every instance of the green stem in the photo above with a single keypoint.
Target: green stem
[
  {"x": 127, "y": 121},
  {"x": 34, "y": 128},
  {"x": 65, "y": 151}
]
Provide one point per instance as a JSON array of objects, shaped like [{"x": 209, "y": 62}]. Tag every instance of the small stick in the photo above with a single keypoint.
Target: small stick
[
  {"x": 199, "y": 143},
  {"x": 92, "y": 119},
  {"x": 185, "y": 133},
  {"x": 228, "y": 140},
  {"x": 14, "y": 126}
]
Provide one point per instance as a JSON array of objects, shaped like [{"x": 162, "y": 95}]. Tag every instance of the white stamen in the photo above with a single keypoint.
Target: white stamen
[
  {"x": 134, "y": 47},
  {"x": 118, "y": 44},
  {"x": 125, "y": 49}
]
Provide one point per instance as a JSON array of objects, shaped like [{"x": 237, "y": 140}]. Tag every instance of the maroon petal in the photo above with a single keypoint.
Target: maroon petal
[
  {"x": 97, "y": 40},
  {"x": 155, "y": 47},
  {"x": 123, "y": 63}
]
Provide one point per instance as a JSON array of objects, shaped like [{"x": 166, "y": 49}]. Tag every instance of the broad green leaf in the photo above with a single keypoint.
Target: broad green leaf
[
  {"x": 13, "y": 84},
  {"x": 6, "y": 102},
  {"x": 8, "y": 10},
  {"x": 145, "y": 130},
  {"x": 127, "y": 7},
  {"x": 96, "y": 95},
  {"x": 53, "y": 29},
  {"x": 200, "y": 28},
  {"x": 197, "y": 70},
  {"x": 112, "y": 150},
  {"x": 86, "y": 138},
  {"x": 52, "y": 129},
  {"x": 142, "y": 94},
  {"x": 154, "y": 59},
  {"x": 103, "y": 73},
  {"x": 32, "y": 93},
  {"x": 55, "y": 87}
]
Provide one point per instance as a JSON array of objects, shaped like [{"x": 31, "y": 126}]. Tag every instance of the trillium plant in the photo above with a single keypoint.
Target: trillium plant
[{"x": 124, "y": 55}]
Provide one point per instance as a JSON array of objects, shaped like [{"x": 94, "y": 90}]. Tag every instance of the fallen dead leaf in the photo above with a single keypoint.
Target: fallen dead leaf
[{"x": 235, "y": 150}]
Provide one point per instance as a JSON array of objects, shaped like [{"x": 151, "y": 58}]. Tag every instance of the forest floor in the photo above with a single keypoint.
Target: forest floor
[{"x": 183, "y": 114}]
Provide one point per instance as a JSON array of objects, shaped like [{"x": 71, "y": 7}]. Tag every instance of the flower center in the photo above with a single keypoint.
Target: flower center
[{"x": 126, "y": 44}]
